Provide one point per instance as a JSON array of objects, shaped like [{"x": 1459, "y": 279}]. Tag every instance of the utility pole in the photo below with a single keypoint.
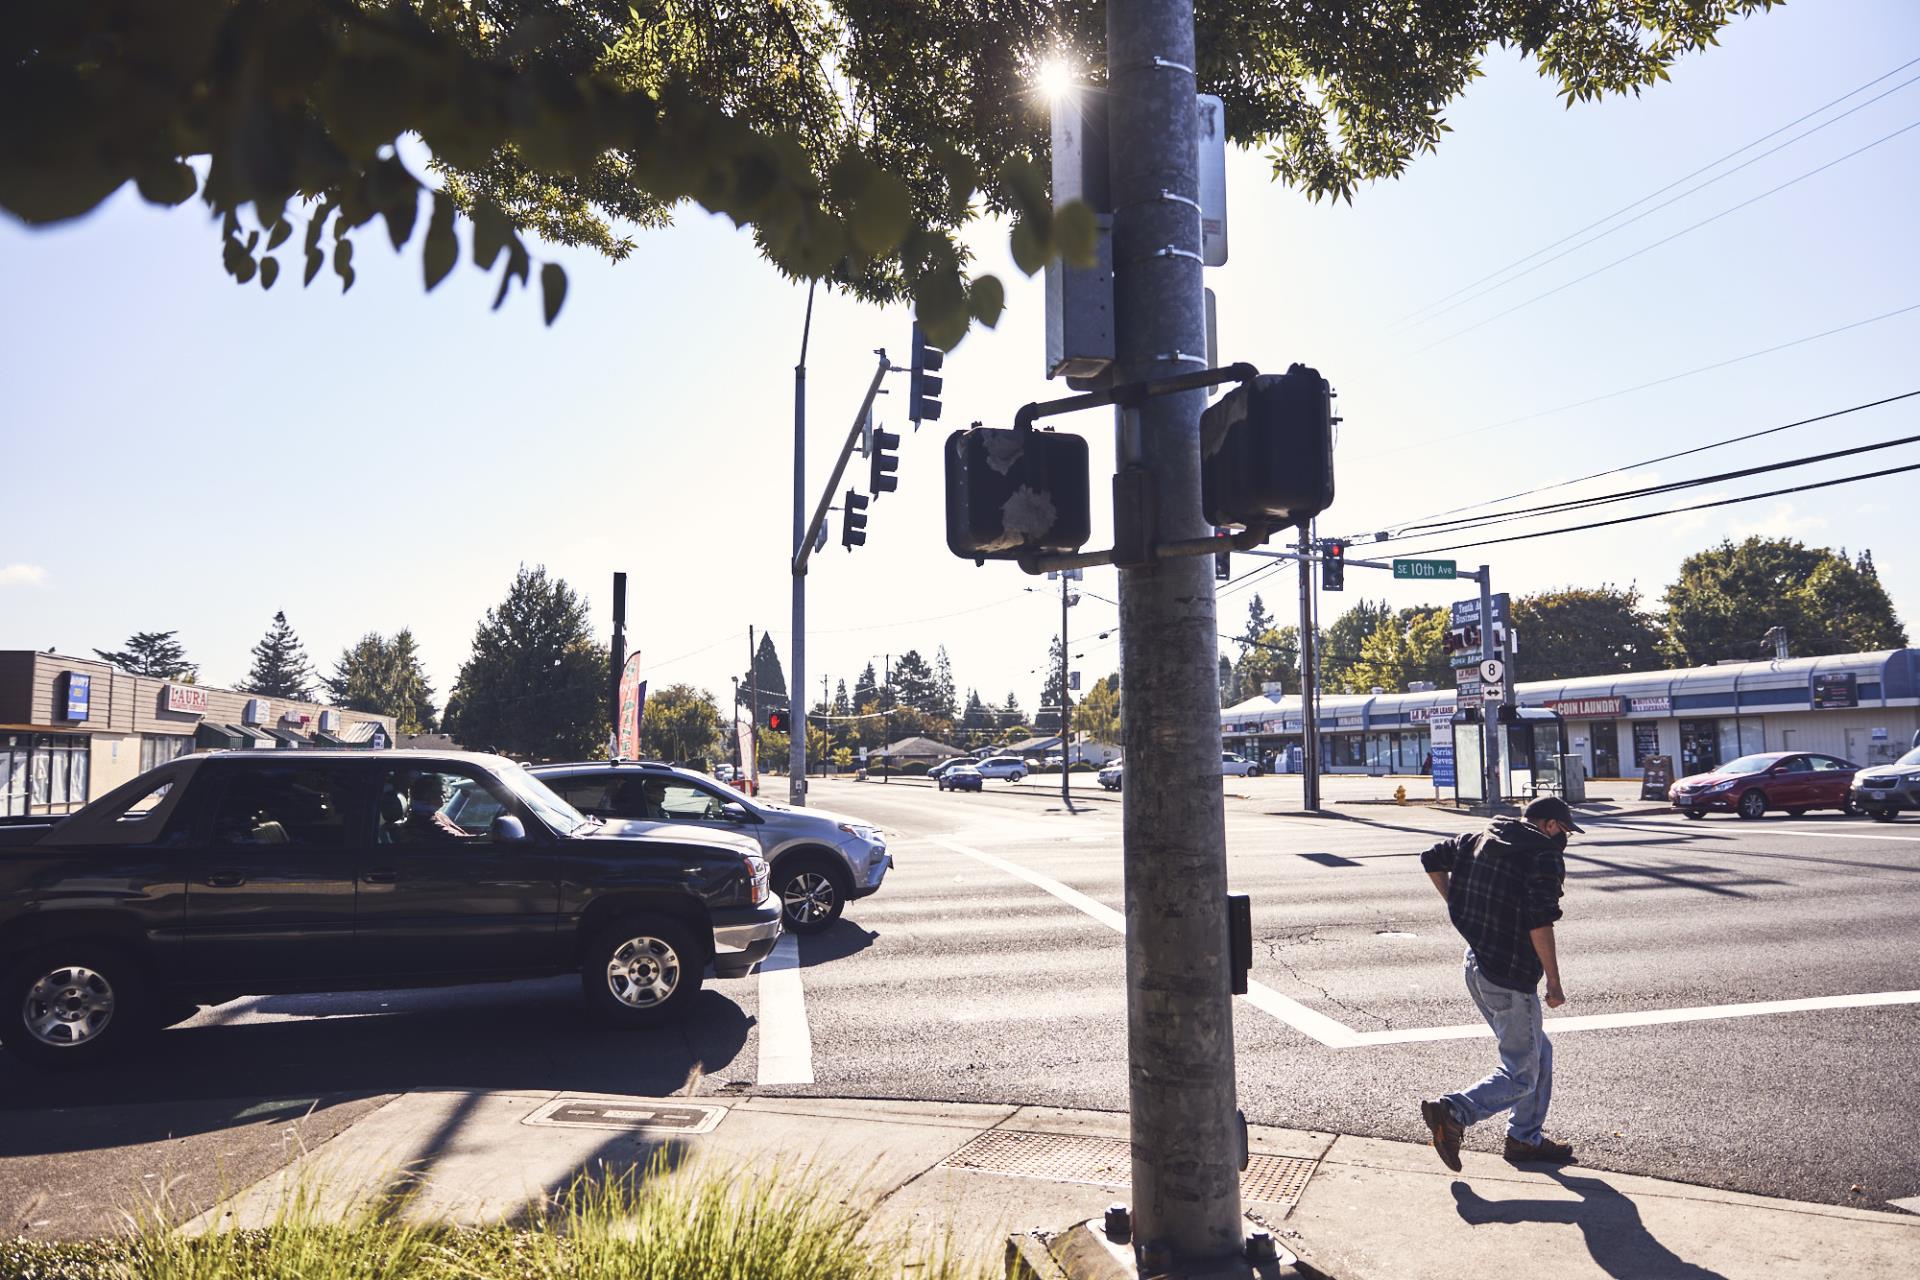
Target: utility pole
[
  {"x": 619, "y": 651},
  {"x": 1186, "y": 1129},
  {"x": 1309, "y": 680},
  {"x": 1066, "y": 721},
  {"x": 1490, "y": 734},
  {"x": 753, "y": 724},
  {"x": 797, "y": 731},
  {"x": 886, "y": 716}
]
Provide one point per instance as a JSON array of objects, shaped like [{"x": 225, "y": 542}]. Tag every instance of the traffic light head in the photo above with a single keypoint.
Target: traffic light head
[
  {"x": 853, "y": 522},
  {"x": 886, "y": 461},
  {"x": 1333, "y": 565},
  {"x": 923, "y": 386},
  {"x": 1267, "y": 451},
  {"x": 777, "y": 721}
]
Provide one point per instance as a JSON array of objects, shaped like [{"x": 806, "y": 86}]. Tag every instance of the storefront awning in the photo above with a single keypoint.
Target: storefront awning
[
  {"x": 324, "y": 739},
  {"x": 252, "y": 737},
  {"x": 216, "y": 737},
  {"x": 288, "y": 738}
]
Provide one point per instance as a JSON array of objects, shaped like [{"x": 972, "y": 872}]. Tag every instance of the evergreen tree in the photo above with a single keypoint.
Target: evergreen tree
[
  {"x": 1047, "y": 718},
  {"x": 767, "y": 676},
  {"x": 280, "y": 666},
  {"x": 866, "y": 689},
  {"x": 535, "y": 684},
  {"x": 978, "y": 717},
  {"x": 1259, "y": 622},
  {"x": 915, "y": 685},
  {"x": 946, "y": 697},
  {"x": 153, "y": 653},
  {"x": 385, "y": 677},
  {"x": 841, "y": 706},
  {"x": 1229, "y": 687}
]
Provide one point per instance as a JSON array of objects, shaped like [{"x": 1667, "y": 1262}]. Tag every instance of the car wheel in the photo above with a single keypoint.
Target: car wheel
[
  {"x": 1848, "y": 807},
  {"x": 1695, "y": 814},
  {"x": 1753, "y": 804},
  {"x": 1883, "y": 815},
  {"x": 74, "y": 1005},
  {"x": 811, "y": 897},
  {"x": 640, "y": 971}
]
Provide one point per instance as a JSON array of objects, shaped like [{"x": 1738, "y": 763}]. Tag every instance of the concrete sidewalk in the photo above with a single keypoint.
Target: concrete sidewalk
[{"x": 966, "y": 1176}]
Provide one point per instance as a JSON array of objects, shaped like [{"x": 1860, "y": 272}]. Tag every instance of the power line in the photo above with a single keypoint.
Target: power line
[
  {"x": 1662, "y": 191},
  {"x": 1502, "y": 517},
  {"x": 1640, "y": 386},
  {"x": 1560, "y": 288},
  {"x": 1673, "y": 511},
  {"x": 1647, "y": 213}
]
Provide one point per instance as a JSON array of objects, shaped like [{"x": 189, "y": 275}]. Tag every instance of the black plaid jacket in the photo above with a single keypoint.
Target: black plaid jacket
[{"x": 1506, "y": 882}]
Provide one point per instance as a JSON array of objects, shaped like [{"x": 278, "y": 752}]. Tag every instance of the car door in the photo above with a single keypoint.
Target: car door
[
  {"x": 1831, "y": 779},
  {"x": 443, "y": 890},
  {"x": 1789, "y": 783},
  {"x": 270, "y": 884}
]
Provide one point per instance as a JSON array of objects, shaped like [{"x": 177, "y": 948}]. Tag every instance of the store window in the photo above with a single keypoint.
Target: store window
[
  {"x": 58, "y": 773},
  {"x": 158, "y": 748},
  {"x": 16, "y": 751}
]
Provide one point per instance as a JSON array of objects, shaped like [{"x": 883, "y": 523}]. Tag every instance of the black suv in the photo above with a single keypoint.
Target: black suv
[{"x": 243, "y": 873}]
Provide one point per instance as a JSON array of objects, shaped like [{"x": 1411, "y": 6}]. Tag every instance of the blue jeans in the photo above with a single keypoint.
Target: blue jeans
[{"x": 1523, "y": 1084}]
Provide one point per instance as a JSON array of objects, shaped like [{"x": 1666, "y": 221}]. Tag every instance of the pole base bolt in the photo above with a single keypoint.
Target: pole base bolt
[
  {"x": 1260, "y": 1247},
  {"x": 1119, "y": 1223}
]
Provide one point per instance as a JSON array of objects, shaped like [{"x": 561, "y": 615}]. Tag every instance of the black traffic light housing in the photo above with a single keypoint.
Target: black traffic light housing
[
  {"x": 1267, "y": 451},
  {"x": 853, "y": 523},
  {"x": 886, "y": 461},
  {"x": 1018, "y": 492},
  {"x": 923, "y": 381},
  {"x": 1333, "y": 565},
  {"x": 777, "y": 720}
]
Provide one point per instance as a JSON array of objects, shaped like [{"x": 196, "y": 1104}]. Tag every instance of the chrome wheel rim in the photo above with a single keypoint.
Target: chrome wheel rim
[
  {"x": 68, "y": 1006},
  {"x": 643, "y": 973},
  {"x": 809, "y": 898},
  {"x": 1753, "y": 805}
]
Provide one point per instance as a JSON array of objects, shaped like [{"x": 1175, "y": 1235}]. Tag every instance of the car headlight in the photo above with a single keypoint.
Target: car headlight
[{"x": 861, "y": 830}]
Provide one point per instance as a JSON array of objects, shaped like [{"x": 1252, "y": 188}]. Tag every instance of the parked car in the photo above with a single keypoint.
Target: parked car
[
  {"x": 961, "y": 777},
  {"x": 1056, "y": 761},
  {"x": 820, "y": 860},
  {"x": 1884, "y": 790},
  {"x": 240, "y": 873},
  {"x": 1238, "y": 766},
  {"x": 1011, "y": 768},
  {"x": 723, "y": 773},
  {"x": 1110, "y": 775},
  {"x": 1792, "y": 780},
  {"x": 939, "y": 769}
]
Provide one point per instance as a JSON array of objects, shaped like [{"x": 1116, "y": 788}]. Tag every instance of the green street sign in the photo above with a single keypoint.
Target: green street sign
[{"x": 1423, "y": 570}]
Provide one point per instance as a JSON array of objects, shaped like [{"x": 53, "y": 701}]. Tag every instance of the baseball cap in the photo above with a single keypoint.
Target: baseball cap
[{"x": 1555, "y": 808}]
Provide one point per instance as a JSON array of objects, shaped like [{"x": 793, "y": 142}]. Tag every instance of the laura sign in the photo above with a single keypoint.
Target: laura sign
[{"x": 184, "y": 697}]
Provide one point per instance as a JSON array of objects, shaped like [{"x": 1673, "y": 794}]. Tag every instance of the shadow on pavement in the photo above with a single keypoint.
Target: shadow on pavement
[
  {"x": 1619, "y": 1241},
  {"x": 514, "y": 1036},
  {"x": 840, "y": 940},
  {"x": 1700, "y": 879}
]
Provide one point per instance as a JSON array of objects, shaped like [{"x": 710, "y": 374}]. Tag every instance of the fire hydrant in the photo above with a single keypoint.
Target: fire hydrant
[{"x": 1400, "y": 794}]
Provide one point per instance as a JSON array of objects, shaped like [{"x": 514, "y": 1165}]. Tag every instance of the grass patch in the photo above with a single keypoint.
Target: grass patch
[{"x": 691, "y": 1226}]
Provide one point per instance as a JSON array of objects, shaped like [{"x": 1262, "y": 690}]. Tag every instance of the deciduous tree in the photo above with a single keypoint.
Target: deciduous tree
[
  {"x": 1728, "y": 597},
  {"x": 385, "y": 677},
  {"x": 1585, "y": 631},
  {"x": 535, "y": 684},
  {"x": 682, "y": 723}
]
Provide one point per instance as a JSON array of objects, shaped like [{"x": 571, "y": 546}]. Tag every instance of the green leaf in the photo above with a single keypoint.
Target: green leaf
[
  {"x": 168, "y": 183},
  {"x": 442, "y": 249},
  {"x": 269, "y": 272},
  {"x": 281, "y": 231},
  {"x": 553, "y": 289},
  {"x": 986, "y": 300},
  {"x": 490, "y": 233},
  {"x": 881, "y": 214},
  {"x": 517, "y": 266},
  {"x": 315, "y": 260},
  {"x": 1076, "y": 233},
  {"x": 1029, "y": 249},
  {"x": 343, "y": 263}
]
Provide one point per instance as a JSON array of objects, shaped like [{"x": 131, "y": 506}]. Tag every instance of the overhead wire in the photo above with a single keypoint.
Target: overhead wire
[
  {"x": 1667, "y": 239},
  {"x": 1627, "y": 208}
]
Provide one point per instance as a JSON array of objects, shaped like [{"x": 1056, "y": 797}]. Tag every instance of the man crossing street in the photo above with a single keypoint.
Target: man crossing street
[{"x": 1502, "y": 888}]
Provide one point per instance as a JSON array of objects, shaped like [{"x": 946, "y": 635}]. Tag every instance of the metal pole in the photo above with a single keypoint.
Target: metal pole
[
  {"x": 619, "y": 652},
  {"x": 797, "y": 714},
  {"x": 1309, "y": 678},
  {"x": 1489, "y": 724},
  {"x": 886, "y": 716},
  {"x": 753, "y": 725},
  {"x": 1186, "y": 1132},
  {"x": 1066, "y": 724}
]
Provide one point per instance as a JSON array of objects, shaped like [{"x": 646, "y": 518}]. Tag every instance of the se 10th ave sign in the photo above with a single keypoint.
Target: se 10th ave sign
[{"x": 1424, "y": 570}]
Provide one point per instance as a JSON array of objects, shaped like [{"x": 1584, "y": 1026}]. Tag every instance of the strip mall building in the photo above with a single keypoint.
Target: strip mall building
[
  {"x": 75, "y": 728},
  {"x": 1864, "y": 707}
]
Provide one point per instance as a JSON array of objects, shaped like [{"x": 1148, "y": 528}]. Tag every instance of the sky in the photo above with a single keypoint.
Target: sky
[{"x": 180, "y": 453}]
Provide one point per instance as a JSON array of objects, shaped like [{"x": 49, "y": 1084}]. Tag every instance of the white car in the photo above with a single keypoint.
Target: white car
[
  {"x": 1009, "y": 768},
  {"x": 1234, "y": 766},
  {"x": 1110, "y": 775}
]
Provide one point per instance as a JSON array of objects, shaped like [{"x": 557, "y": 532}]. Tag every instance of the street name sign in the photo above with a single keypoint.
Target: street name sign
[{"x": 1425, "y": 570}]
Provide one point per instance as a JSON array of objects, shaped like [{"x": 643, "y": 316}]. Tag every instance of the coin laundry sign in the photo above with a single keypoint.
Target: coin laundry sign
[{"x": 1588, "y": 708}]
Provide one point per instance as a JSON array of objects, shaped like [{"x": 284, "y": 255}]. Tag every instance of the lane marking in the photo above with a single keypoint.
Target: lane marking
[
  {"x": 1650, "y": 1017},
  {"x": 786, "y": 1042},
  {"x": 1911, "y": 1204},
  {"x": 1835, "y": 835},
  {"x": 1308, "y": 1022},
  {"x": 1337, "y": 1035}
]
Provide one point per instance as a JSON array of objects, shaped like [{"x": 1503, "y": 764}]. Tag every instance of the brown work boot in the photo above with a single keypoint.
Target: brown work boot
[
  {"x": 1447, "y": 1131},
  {"x": 1545, "y": 1151}
]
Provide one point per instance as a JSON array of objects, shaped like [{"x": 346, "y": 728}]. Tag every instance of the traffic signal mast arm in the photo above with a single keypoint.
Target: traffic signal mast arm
[
  {"x": 839, "y": 468},
  {"x": 1470, "y": 575}
]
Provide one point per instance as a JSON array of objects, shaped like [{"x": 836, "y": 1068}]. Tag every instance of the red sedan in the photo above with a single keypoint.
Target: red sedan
[{"x": 1792, "y": 780}]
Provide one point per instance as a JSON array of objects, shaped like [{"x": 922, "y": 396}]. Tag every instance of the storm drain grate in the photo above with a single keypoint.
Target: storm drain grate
[{"x": 1108, "y": 1162}]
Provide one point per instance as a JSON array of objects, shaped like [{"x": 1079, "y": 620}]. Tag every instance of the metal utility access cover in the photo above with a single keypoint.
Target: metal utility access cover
[
  {"x": 649, "y": 1115},
  {"x": 1108, "y": 1162}
]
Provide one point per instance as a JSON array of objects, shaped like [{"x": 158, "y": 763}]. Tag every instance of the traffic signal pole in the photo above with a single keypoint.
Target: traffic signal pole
[
  {"x": 1186, "y": 1129},
  {"x": 1309, "y": 683}
]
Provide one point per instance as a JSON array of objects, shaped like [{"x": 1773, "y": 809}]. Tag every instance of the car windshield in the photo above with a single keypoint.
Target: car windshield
[
  {"x": 1749, "y": 764},
  {"x": 539, "y": 797},
  {"x": 1912, "y": 757}
]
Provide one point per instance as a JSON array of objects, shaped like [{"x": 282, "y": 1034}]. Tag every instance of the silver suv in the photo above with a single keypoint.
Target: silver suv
[{"x": 820, "y": 860}]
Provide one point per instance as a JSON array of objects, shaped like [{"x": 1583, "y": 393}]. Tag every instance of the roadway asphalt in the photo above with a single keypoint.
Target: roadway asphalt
[{"x": 987, "y": 970}]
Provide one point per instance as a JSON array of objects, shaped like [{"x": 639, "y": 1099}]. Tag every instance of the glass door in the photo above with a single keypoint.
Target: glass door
[{"x": 1606, "y": 749}]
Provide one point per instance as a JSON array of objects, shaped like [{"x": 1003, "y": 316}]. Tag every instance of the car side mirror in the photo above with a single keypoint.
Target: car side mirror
[
  {"x": 734, "y": 811},
  {"x": 508, "y": 829}
]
